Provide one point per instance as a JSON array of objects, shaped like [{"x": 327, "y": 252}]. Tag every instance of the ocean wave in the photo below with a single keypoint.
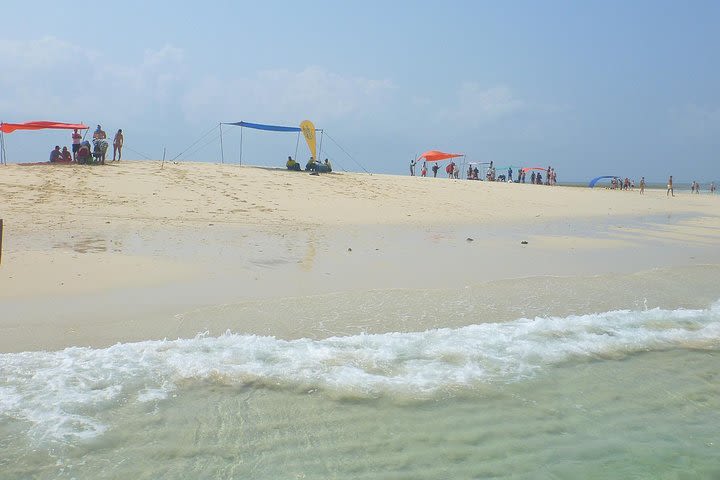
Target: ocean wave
[{"x": 62, "y": 394}]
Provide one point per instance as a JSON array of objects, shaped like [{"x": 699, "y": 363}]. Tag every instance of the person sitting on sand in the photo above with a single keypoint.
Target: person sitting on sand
[
  {"x": 84, "y": 153},
  {"x": 292, "y": 164},
  {"x": 55, "y": 154},
  {"x": 311, "y": 165},
  {"x": 323, "y": 167},
  {"x": 66, "y": 155}
]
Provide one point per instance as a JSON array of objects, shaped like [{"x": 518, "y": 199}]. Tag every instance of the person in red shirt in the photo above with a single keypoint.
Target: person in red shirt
[{"x": 449, "y": 169}]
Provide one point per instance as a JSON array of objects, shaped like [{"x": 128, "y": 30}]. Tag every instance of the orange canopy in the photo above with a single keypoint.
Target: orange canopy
[
  {"x": 527, "y": 169},
  {"x": 436, "y": 155},
  {"x": 39, "y": 125}
]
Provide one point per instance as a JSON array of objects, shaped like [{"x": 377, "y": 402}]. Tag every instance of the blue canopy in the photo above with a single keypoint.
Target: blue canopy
[
  {"x": 595, "y": 180},
  {"x": 260, "y": 126}
]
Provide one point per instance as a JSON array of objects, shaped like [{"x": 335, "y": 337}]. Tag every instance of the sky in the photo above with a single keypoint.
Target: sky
[{"x": 591, "y": 88}]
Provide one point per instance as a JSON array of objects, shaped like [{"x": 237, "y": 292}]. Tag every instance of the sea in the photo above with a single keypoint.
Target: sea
[{"x": 602, "y": 386}]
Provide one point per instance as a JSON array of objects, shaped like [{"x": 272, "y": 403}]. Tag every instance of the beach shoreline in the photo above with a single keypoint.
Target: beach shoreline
[{"x": 96, "y": 256}]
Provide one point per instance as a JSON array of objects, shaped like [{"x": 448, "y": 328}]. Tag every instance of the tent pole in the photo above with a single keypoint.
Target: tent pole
[
  {"x": 320, "y": 151},
  {"x": 241, "y": 135},
  {"x": 2, "y": 148},
  {"x": 222, "y": 151},
  {"x": 296, "y": 146}
]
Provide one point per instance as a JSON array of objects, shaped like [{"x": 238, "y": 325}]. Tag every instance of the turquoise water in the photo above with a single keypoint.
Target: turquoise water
[{"x": 630, "y": 393}]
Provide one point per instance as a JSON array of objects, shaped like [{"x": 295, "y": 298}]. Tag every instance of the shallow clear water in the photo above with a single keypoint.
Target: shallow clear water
[{"x": 618, "y": 394}]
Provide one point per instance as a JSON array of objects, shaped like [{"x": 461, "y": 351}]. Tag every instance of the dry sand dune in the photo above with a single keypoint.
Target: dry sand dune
[{"x": 197, "y": 192}]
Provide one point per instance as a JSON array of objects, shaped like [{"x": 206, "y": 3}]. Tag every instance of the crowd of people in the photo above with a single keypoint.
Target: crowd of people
[
  {"x": 83, "y": 152},
  {"x": 617, "y": 183},
  {"x": 540, "y": 176},
  {"x": 695, "y": 187},
  {"x": 620, "y": 184},
  {"x": 473, "y": 173}
]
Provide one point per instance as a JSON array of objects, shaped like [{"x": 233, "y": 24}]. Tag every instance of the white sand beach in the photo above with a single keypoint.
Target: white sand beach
[{"x": 93, "y": 256}]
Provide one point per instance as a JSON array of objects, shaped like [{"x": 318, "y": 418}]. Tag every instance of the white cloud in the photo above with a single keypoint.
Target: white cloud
[
  {"x": 44, "y": 54},
  {"x": 54, "y": 79},
  {"x": 477, "y": 105},
  {"x": 283, "y": 94}
]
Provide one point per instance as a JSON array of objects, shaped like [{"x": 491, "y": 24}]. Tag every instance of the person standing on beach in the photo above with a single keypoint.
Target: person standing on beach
[
  {"x": 76, "y": 138},
  {"x": 412, "y": 167},
  {"x": 642, "y": 185},
  {"x": 117, "y": 144},
  {"x": 450, "y": 169},
  {"x": 670, "y": 187},
  {"x": 99, "y": 134},
  {"x": 423, "y": 172},
  {"x": 712, "y": 187},
  {"x": 435, "y": 169}
]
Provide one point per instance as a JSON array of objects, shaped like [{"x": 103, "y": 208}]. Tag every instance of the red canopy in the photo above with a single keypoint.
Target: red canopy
[
  {"x": 39, "y": 125},
  {"x": 436, "y": 155}
]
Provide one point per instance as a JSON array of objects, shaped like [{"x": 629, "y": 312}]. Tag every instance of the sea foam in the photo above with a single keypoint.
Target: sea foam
[{"x": 61, "y": 395}]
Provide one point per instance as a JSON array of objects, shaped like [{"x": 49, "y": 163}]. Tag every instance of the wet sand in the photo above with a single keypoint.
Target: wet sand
[{"x": 133, "y": 251}]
